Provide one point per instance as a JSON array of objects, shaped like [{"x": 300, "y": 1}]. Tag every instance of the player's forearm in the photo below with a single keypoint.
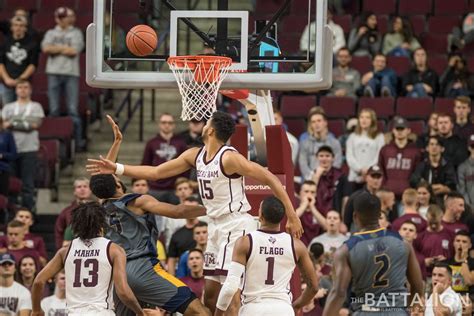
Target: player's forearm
[
  {"x": 190, "y": 211},
  {"x": 305, "y": 297},
  {"x": 36, "y": 294},
  {"x": 113, "y": 151},
  {"x": 438, "y": 308},
  {"x": 127, "y": 297},
  {"x": 141, "y": 172},
  {"x": 333, "y": 303},
  {"x": 281, "y": 194}
]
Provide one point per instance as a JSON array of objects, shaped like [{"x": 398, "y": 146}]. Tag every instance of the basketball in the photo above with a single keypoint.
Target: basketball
[{"x": 141, "y": 40}]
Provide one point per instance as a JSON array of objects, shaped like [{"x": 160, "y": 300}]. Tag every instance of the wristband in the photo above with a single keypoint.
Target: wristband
[{"x": 120, "y": 169}]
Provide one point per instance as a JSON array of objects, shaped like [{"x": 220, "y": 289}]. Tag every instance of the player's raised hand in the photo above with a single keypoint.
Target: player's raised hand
[
  {"x": 100, "y": 166},
  {"x": 117, "y": 133},
  {"x": 294, "y": 227},
  {"x": 153, "y": 312}
]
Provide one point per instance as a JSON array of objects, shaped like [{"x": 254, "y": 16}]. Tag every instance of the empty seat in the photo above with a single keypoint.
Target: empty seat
[
  {"x": 401, "y": 65},
  {"x": 383, "y": 107},
  {"x": 450, "y": 7},
  {"x": 418, "y": 23},
  {"x": 362, "y": 64},
  {"x": 380, "y": 7},
  {"x": 411, "y": 108},
  {"x": 296, "y": 106},
  {"x": 338, "y": 107},
  {"x": 442, "y": 24},
  {"x": 294, "y": 24},
  {"x": 438, "y": 63},
  {"x": 344, "y": 21},
  {"x": 417, "y": 127},
  {"x": 51, "y": 5},
  {"x": 14, "y": 185},
  {"x": 42, "y": 98},
  {"x": 470, "y": 64},
  {"x": 434, "y": 43},
  {"x": 43, "y": 21},
  {"x": 381, "y": 126},
  {"x": 51, "y": 155},
  {"x": 60, "y": 128},
  {"x": 296, "y": 126},
  {"x": 40, "y": 82},
  {"x": 336, "y": 127},
  {"x": 409, "y": 7},
  {"x": 444, "y": 105},
  {"x": 29, "y": 5}
]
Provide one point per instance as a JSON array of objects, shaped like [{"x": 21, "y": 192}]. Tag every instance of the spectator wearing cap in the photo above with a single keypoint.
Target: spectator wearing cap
[
  {"x": 455, "y": 149},
  {"x": 463, "y": 126},
  {"x": 345, "y": 80},
  {"x": 373, "y": 183},
  {"x": 333, "y": 189},
  {"x": 399, "y": 158},
  {"x": 453, "y": 210},
  {"x": 63, "y": 45},
  {"x": 410, "y": 212},
  {"x": 420, "y": 81},
  {"x": 15, "y": 299},
  {"x": 466, "y": 175},
  {"x": 18, "y": 57},
  {"x": 435, "y": 170}
]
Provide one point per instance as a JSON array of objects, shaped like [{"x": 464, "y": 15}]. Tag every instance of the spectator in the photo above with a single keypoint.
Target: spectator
[
  {"x": 380, "y": 81},
  {"x": 461, "y": 37},
  {"x": 318, "y": 136},
  {"x": 363, "y": 146},
  {"x": 311, "y": 219},
  {"x": 200, "y": 237},
  {"x": 195, "y": 280},
  {"x": 398, "y": 159},
  {"x": 332, "y": 239},
  {"x": 408, "y": 232},
  {"x": 63, "y": 45},
  {"x": 373, "y": 182},
  {"x": 140, "y": 186},
  {"x": 7, "y": 156},
  {"x": 466, "y": 175},
  {"x": 351, "y": 125},
  {"x": 291, "y": 139},
  {"x": 456, "y": 80},
  {"x": 15, "y": 299},
  {"x": 345, "y": 80},
  {"x": 422, "y": 140},
  {"x": 82, "y": 194},
  {"x": 400, "y": 41},
  {"x": 114, "y": 40},
  {"x": 365, "y": 39},
  {"x": 333, "y": 189},
  {"x": 56, "y": 303},
  {"x": 455, "y": 149},
  {"x": 463, "y": 126},
  {"x": 163, "y": 147},
  {"x": 435, "y": 170},
  {"x": 387, "y": 203},
  {"x": 453, "y": 209},
  {"x": 421, "y": 81},
  {"x": 16, "y": 242},
  {"x": 384, "y": 222},
  {"x": 26, "y": 273},
  {"x": 461, "y": 264},
  {"x": 24, "y": 117},
  {"x": 309, "y": 36},
  {"x": 192, "y": 136},
  {"x": 424, "y": 197},
  {"x": 18, "y": 57},
  {"x": 410, "y": 213},
  {"x": 443, "y": 300}
]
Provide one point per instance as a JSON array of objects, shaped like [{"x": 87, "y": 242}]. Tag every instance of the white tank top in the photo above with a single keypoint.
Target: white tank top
[
  {"x": 221, "y": 194},
  {"x": 270, "y": 264},
  {"x": 88, "y": 270}
]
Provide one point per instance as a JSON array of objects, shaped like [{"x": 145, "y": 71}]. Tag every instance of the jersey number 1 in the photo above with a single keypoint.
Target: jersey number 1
[
  {"x": 93, "y": 264},
  {"x": 271, "y": 265},
  {"x": 205, "y": 189}
]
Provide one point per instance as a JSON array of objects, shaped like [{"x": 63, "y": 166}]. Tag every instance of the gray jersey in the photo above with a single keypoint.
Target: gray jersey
[
  {"x": 134, "y": 233},
  {"x": 378, "y": 261}
]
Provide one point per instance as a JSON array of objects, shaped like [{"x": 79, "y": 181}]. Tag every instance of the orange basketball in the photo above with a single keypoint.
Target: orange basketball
[{"x": 141, "y": 40}]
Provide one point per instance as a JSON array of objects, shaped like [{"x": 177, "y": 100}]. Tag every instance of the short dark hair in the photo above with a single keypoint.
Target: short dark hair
[
  {"x": 367, "y": 205},
  {"x": 195, "y": 250},
  {"x": 224, "y": 125},
  {"x": 463, "y": 232},
  {"x": 326, "y": 149},
  {"x": 445, "y": 266},
  {"x": 454, "y": 195},
  {"x": 379, "y": 54},
  {"x": 437, "y": 138},
  {"x": 88, "y": 220},
  {"x": 200, "y": 224},
  {"x": 408, "y": 222},
  {"x": 344, "y": 48},
  {"x": 273, "y": 210},
  {"x": 309, "y": 182},
  {"x": 317, "y": 250},
  {"x": 103, "y": 186},
  {"x": 136, "y": 180},
  {"x": 15, "y": 224}
]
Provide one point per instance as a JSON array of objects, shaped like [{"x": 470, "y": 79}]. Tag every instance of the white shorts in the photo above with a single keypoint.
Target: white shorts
[
  {"x": 223, "y": 232},
  {"x": 89, "y": 312},
  {"x": 267, "y": 307}
]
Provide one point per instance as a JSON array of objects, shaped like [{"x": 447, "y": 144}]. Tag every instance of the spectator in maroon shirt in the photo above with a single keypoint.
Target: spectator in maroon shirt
[
  {"x": 409, "y": 199},
  {"x": 435, "y": 243},
  {"x": 333, "y": 189},
  {"x": 195, "y": 281},
  {"x": 408, "y": 232},
  {"x": 463, "y": 126},
  {"x": 311, "y": 219},
  {"x": 16, "y": 243},
  {"x": 162, "y": 148},
  {"x": 453, "y": 209},
  {"x": 82, "y": 193},
  {"x": 399, "y": 158}
]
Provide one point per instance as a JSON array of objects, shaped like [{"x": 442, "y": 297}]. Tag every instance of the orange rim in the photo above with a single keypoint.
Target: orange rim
[
  {"x": 181, "y": 61},
  {"x": 239, "y": 94}
]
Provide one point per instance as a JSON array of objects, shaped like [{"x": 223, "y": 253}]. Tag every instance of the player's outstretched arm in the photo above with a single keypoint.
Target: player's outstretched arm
[
  {"x": 149, "y": 204},
  {"x": 124, "y": 293},
  {"x": 306, "y": 267},
  {"x": 415, "y": 280},
  {"x": 236, "y": 270},
  {"x": 115, "y": 148},
  {"x": 343, "y": 275},
  {"x": 235, "y": 163},
  {"x": 48, "y": 272},
  {"x": 171, "y": 168}
]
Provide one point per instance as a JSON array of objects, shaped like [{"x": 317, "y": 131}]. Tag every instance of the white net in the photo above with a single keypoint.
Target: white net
[{"x": 199, "y": 79}]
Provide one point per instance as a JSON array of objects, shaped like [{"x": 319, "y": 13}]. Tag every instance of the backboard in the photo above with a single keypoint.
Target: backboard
[{"x": 264, "y": 41}]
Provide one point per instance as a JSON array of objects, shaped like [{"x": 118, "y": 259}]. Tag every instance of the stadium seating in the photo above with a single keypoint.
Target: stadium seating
[
  {"x": 418, "y": 23},
  {"x": 401, "y": 65},
  {"x": 296, "y": 106},
  {"x": 29, "y": 5},
  {"x": 384, "y": 107},
  {"x": 338, "y": 107},
  {"x": 362, "y": 64},
  {"x": 296, "y": 126},
  {"x": 417, "y": 127},
  {"x": 60, "y": 128},
  {"x": 344, "y": 21},
  {"x": 14, "y": 186},
  {"x": 444, "y": 105},
  {"x": 438, "y": 63},
  {"x": 450, "y": 7},
  {"x": 337, "y": 127},
  {"x": 410, "y": 7},
  {"x": 51, "y": 5},
  {"x": 411, "y": 108},
  {"x": 434, "y": 43},
  {"x": 442, "y": 24},
  {"x": 380, "y": 7}
]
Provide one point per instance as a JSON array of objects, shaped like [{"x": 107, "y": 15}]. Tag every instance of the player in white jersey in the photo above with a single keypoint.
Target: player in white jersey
[
  {"x": 266, "y": 259},
  {"x": 220, "y": 172},
  {"x": 92, "y": 265}
]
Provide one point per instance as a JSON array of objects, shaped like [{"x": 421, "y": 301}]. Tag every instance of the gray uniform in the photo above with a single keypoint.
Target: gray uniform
[
  {"x": 378, "y": 261},
  {"x": 136, "y": 234}
]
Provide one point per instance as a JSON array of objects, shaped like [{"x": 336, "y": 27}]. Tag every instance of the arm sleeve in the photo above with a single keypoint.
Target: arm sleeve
[
  {"x": 78, "y": 41},
  {"x": 339, "y": 39},
  {"x": 353, "y": 41},
  {"x": 461, "y": 183},
  {"x": 230, "y": 286},
  {"x": 25, "y": 300},
  {"x": 173, "y": 249},
  {"x": 450, "y": 177},
  {"x": 417, "y": 175},
  {"x": 47, "y": 40}
]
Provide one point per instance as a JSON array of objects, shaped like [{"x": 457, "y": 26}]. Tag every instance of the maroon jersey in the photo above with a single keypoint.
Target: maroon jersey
[
  {"x": 431, "y": 244},
  {"x": 455, "y": 227},
  {"x": 63, "y": 221},
  {"x": 31, "y": 241},
  {"x": 196, "y": 285},
  {"x": 416, "y": 219},
  {"x": 421, "y": 262},
  {"x": 20, "y": 253},
  {"x": 310, "y": 226}
]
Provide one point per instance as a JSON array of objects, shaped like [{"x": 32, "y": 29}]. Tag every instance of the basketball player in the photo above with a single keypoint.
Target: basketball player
[
  {"x": 267, "y": 258},
  {"x": 91, "y": 263},
  {"x": 379, "y": 263},
  {"x": 220, "y": 171}
]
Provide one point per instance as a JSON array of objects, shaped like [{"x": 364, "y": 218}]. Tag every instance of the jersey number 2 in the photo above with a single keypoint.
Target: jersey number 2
[
  {"x": 384, "y": 262},
  {"x": 93, "y": 278},
  {"x": 205, "y": 189}
]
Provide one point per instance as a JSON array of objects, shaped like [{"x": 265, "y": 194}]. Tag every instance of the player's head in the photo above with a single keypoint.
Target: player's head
[
  {"x": 408, "y": 231},
  {"x": 106, "y": 186},
  {"x": 221, "y": 126},
  {"x": 88, "y": 220},
  {"x": 366, "y": 210},
  {"x": 317, "y": 251},
  {"x": 271, "y": 211},
  {"x": 442, "y": 273}
]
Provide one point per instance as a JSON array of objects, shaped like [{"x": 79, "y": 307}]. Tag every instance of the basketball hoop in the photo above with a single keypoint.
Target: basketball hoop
[
  {"x": 199, "y": 79},
  {"x": 240, "y": 94}
]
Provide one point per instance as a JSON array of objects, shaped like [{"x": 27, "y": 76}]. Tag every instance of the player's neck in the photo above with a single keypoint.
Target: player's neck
[
  {"x": 212, "y": 147},
  {"x": 6, "y": 282},
  {"x": 270, "y": 228},
  {"x": 370, "y": 227}
]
